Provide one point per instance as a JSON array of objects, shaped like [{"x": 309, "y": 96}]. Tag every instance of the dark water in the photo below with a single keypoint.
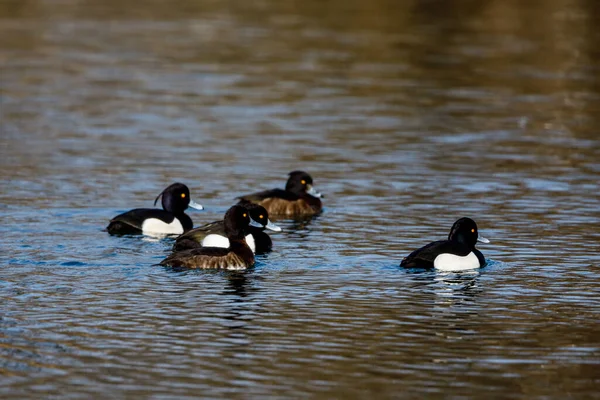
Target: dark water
[{"x": 407, "y": 114}]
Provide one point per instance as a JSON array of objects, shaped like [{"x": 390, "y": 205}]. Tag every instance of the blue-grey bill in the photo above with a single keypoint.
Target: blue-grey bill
[
  {"x": 255, "y": 224},
  {"x": 195, "y": 205},
  {"x": 272, "y": 227},
  {"x": 482, "y": 239},
  {"x": 311, "y": 190}
]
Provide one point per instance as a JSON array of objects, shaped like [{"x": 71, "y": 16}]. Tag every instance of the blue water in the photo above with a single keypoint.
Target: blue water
[{"x": 407, "y": 117}]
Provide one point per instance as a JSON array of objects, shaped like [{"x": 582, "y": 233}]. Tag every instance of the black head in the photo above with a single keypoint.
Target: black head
[
  {"x": 237, "y": 221},
  {"x": 259, "y": 214},
  {"x": 465, "y": 231},
  {"x": 176, "y": 199},
  {"x": 300, "y": 182}
]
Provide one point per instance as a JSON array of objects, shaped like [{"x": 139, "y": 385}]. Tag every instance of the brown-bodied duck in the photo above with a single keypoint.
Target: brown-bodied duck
[
  {"x": 237, "y": 255},
  {"x": 298, "y": 199}
]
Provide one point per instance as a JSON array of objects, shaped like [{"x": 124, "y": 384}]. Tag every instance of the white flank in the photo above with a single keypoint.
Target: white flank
[
  {"x": 451, "y": 262},
  {"x": 250, "y": 242},
  {"x": 156, "y": 226},
  {"x": 214, "y": 240}
]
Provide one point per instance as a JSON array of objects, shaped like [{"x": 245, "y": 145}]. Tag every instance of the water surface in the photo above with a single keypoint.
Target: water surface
[{"x": 408, "y": 115}]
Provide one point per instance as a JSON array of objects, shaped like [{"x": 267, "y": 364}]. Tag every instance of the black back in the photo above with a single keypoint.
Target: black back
[
  {"x": 136, "y": 217},
  {"x": 131, "y": 221},
  {"x": 267, "y": 194}
]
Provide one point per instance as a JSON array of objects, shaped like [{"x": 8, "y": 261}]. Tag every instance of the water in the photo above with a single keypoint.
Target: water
[{"x": 408, "y": 116}]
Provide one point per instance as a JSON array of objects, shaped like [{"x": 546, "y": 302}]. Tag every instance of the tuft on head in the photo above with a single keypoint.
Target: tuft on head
[{"x": 175, "y": 198}]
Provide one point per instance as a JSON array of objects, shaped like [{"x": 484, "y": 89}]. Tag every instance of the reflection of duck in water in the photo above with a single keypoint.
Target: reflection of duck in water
[
  {"x": 237, "y": 283},
  {"x": 299, "y": 224},
  {"x": 213, "y": 234},
  {"x": 298, "y": 199},
  {"x": 455, "y": 254},
  {"x": 237, "y": 255},
  {"x": 458, "y": 285},
  {"x": 170, "y": 220},
  {"x": 452, "y": 294}
]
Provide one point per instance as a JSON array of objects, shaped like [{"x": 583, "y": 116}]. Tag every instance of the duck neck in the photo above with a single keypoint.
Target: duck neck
[
  {"x": 240, "y": 247},
  {"x": 462, "y": 239},
  {"x": 292, "y": 187},
  {"x": 185, "y": 220},
  {"x": 313, "y": 201},
  {"x": 253, "y": 229}
]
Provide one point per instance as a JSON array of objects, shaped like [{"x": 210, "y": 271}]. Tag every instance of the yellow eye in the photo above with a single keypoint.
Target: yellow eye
[
  {"x": 261, "y": 216},
  {"x": 473, "y": 230},
  {"x": 183, "y": 195},
  {"x": 245, "y": 215},
  {"x": 303, "y": 182}
]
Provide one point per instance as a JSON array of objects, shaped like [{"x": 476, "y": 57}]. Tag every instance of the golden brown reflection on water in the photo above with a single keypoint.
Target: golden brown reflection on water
[{"x": 408, "y": 114}]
